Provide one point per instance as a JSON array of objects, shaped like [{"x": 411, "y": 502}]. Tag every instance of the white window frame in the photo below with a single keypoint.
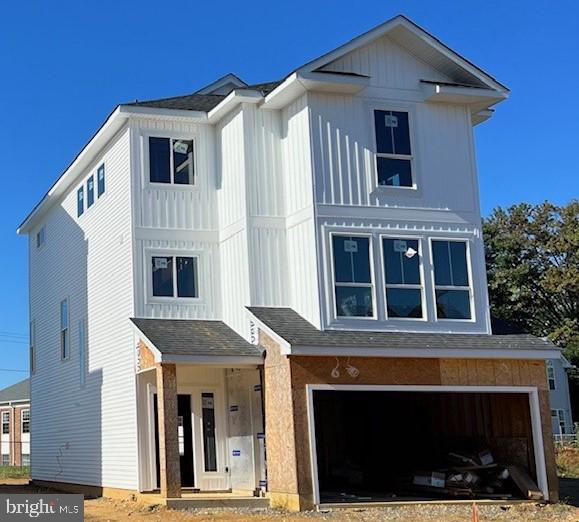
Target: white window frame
[
  {"x": 32, "y": 346},
  {"x": 5, "y": 459},
  {"x": 371, "y": 285},
  {"x": 151, "y": 298},
  {"x": 421, "y": 287},
  {"x": 413, "y": 141},
  {"x": 41, "y": 237},
  {"x": 559, "y": 414},
  {"x": 22, "y": 421},
  {"x": 549, "y": 366},
  {"x": 470, "y": 287},
  {"x": 22, "y": 460},
  {"x": 147, "y": 161},
  {"x": 64, "y": 356},
  {"x": 6, "y": 415}
]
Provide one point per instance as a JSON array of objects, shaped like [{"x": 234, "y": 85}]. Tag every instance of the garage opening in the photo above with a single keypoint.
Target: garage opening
[{"x": 408, "y": 445}]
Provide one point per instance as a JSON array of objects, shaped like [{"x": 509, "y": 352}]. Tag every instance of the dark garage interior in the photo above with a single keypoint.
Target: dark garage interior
[{"x": 396, "y": 445}]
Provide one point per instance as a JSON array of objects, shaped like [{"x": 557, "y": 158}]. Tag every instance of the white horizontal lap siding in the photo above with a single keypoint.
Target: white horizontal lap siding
[
  {"x": 387, "y": 64},
  {"x": 86, "y": 434},
  {"x": 207, "y": 306},
  {"x": 169, "y": 206},
  {"x": 299, "y": 205}
]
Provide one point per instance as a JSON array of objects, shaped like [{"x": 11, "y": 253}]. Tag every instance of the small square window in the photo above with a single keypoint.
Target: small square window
[
  {"x": 101, "y": 180},
  {"x": 171, "y": 161},
  {"x": 90, "y": 192},
  {"x": 175, "y": 276}
]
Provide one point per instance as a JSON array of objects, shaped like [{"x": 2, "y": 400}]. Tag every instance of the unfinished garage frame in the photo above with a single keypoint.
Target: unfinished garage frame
[{"x": 534, "y": 417}]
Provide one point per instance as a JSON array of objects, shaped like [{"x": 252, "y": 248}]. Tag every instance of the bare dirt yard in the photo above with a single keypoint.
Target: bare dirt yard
[{"x": 122, "y": 511}]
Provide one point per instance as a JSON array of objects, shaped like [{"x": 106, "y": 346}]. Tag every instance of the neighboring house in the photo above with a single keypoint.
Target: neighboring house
[
  {"x": 559, "y": 398},
  {"x": 15, "y": 419},
  {"x": 280, "y": 287}
]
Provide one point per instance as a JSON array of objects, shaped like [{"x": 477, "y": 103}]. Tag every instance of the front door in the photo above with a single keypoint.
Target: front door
[{"x": 185, "y": 433}]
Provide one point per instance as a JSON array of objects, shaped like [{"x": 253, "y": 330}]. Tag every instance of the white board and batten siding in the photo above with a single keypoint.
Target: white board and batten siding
[
  {"x": 86, "y": 432},
  {"x": 445, "y": 202}
]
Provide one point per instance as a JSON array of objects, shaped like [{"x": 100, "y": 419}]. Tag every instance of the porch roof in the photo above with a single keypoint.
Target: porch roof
[
  {"x": 298, "y": 333},
  {"x": 184, "y": 339}
]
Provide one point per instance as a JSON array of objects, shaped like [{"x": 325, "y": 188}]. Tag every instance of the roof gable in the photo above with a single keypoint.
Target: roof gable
[
  {"x": 420, "y": 44},
  {"x": 17, "y": 392}
]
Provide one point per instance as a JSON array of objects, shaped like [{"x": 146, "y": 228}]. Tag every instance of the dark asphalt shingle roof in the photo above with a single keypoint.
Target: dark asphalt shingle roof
[
  {"x": 194, "y": 337},
  {"x": 292, "y": 327},
  {"x": 199, "y": 102},
  {"x": 17, "y": 392}
]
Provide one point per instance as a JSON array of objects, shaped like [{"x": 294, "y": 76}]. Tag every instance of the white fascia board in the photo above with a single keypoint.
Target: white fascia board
[
  {"x": 481, "y": 116},
  {"x": 222, "y": 361},
  {"x": 438, "y": 92},
  {"x": 108, "y": 129},
  {"x": 300, "y": 82},
  {"x": 165, "y": 114},
  {"x": 285, "y": 347},
  {"x": 232, "y": 100},
  {"x": 229, "y": 78},
  {"x": 425, "y": 353}
]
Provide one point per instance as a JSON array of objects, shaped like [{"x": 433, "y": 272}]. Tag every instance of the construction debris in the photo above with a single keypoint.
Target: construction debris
[{"x": 474, "y": 476}]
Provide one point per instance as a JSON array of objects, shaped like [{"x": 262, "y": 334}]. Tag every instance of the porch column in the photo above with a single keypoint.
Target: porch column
[{"x": 170, "y": 472}]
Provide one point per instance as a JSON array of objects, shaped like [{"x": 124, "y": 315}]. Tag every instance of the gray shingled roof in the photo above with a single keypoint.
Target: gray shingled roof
[
  {"x": 292, "y": 327},
  {"x": 195, "y": 337},
  {"x": 199, "y": 102},
  {"x": 17, "y": 392}
]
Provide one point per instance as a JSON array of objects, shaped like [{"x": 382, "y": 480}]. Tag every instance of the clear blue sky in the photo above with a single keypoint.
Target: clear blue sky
[{"x": 64, "y": 65}]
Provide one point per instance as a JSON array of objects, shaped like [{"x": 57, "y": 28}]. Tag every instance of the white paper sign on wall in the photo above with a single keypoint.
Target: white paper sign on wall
[
  {"x": 180, "y": 147},
  {"x": 390, "y": 120},
  {"x": 350, "y": 246}
]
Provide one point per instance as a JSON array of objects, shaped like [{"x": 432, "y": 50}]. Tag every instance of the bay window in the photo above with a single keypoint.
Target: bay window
[
  {"x": 451, "y": 279},
  {"x": 402, "y": 278},
  {"x": 352, "y": 276}
]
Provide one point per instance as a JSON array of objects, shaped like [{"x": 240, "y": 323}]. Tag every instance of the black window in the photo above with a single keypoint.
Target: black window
[
  {"x": 171, "y": 161},
  {"x": 101, "y": 180},
  {"x": 80, "y": 201},
  {"x": 5, "y": 422},
  {"x": 403, "y": 278},
  {"x": 175, "y": 276},
  {"x": 352, "y": 276},
  {"x": 393, "y": 149},
  {"x": 451, "y": 279},
  {"x": 162, "y": 276},
  {"x": 64, "y": 330},
  {"x": 25, "y": 421},
  {"x": 90, "y": 192}
]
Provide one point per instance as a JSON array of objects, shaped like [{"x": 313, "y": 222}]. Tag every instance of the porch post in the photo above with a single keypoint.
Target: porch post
[{"x": 170, "y": 472}]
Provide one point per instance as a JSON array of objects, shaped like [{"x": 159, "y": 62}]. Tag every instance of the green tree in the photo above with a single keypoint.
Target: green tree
[{"x": 532, "y": 258}]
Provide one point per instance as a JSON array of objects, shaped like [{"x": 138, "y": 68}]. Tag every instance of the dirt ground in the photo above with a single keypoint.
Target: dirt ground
[{"x": 121, "y": 511}]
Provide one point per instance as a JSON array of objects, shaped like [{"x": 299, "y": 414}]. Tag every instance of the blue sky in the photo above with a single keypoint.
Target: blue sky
[{"x": 64, "y": 65}]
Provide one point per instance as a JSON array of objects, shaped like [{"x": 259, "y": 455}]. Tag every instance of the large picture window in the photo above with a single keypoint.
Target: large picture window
[
  {"x": 402, "y": 277},
  {"x": 393, "y": 149},
  {"x": 174, "y": 276},
  {"x": 451, "y": 279},
  {"x": 352, "y": 276},
  {"x": 171, "y": 161}
]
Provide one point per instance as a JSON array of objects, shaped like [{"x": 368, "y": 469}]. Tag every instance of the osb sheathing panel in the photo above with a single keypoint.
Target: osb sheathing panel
[
  {"x": 279, "y": 427},
  {"x": 316, "y": 370},
  {"x": 146, "y": 357}
]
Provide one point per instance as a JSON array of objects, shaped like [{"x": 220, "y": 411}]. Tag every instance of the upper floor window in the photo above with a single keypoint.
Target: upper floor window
[
  {"x": 64, "y": 330},
  {"x": 101, "y": 180},
  {"x": 80, "y": 201},
  {"x": 402, "y": 277},
  {"x": 352, "y": 276},
  {"x": 451, "y": 279},
  {"x": 90, "y": 192},
  {"x": 171, "y": 161},
  {"x": 393, "y": 149},
  {"x": 551, "y": 375},
  {"x": 5, "y": 422},
  {"x": 40, "y": 236},
  {"x": 175, "y": 276},
  {"x": 25, "y": 421}
]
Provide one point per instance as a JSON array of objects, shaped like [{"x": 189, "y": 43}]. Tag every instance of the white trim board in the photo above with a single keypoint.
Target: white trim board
[{"x": 531, "y": 391}]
